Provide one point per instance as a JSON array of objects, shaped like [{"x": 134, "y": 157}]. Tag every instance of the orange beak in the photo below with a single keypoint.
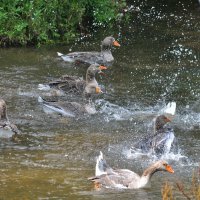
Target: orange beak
[
  {"x": 98, "y": 90},
  {"x": 102, "y": 67},
  {"x": 167, "y": 119},
  {"x": 169, "y": 169},
  {"x": 115, "y": 43}
]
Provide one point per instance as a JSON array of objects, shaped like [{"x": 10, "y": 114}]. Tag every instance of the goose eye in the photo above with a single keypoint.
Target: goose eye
[{"x": 165, "y": 164}]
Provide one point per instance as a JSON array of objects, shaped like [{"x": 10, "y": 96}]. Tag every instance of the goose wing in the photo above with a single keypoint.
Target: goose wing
[
  {"x": 87, "y": 57},
  {"x": 118, "y": 178},
  {"x": 69, "y": 84}
]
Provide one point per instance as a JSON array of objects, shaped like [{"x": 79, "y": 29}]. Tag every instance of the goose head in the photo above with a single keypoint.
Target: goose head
[
  {"x": 161, "y": 120},
  {"x": 167, "y": 114},
  {"x": 164, "y": 166},
  {"x": 160, "y": 165},
  {"x": 91, "y": 83},
  {"x": 93, "y": 69},
  {"x": 108, "y": 42}
]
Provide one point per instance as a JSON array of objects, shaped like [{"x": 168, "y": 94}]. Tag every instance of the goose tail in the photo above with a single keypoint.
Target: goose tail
[
  {"x": 40, "y": 99},
  {"x": 59, "y": 54},
  {"x": 66, "y": 58},
  {"x": 170, "y": 109},
  {"x": 101, "y": 166}
]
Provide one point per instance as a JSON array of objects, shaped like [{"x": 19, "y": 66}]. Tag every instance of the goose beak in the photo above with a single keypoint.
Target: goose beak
[
  {"x": 169, "y": 169},
  {"x": 115, "y": 43},
  {"x": 167, "y": 119},
  {"x": 98, "y": 90},
  {"x": 101, "y": 67}
]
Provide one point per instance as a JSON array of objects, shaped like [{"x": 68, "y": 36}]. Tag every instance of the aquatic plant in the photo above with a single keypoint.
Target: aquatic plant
[
  {"x": 167, "y": 192},
  {"x": 34, "y": 22},
  {"x": 191, "y": 192}
]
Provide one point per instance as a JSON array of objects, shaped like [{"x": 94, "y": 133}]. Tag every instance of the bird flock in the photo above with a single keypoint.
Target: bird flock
[{"x": 159, "y": 142}]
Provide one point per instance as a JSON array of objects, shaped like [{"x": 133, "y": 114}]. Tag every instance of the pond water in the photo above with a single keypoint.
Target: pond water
[{"x": 158, "y": 62}]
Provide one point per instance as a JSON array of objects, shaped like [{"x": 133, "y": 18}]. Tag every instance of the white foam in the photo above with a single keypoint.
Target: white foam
[
  {"x": 137, "y": 154},
  {"x": 113, "y": 111},
  {"x": 43, "y": 87}
]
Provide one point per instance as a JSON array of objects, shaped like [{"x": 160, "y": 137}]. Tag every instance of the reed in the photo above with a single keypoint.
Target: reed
[
  {"x": 167, "y": 192},
  {"x": 190, "y": 192}
]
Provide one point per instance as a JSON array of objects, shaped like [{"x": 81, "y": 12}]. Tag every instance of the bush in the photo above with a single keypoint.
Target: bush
[{"x": 33, "y": 22}]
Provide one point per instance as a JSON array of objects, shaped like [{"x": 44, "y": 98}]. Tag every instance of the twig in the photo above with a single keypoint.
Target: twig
[{"x": 181, "y": 189}]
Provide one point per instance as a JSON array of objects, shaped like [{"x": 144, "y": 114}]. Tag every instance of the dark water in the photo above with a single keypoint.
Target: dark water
[{"x": 158, "y": 62}]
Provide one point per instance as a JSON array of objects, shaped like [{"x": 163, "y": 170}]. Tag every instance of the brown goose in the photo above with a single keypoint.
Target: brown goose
[
  {"x": 124, "y": 178},
  {"x": 76, "y": 85},
  {"x": 7, "y": 129},
  {"x": 162, "y": 139},
  {"x": 103, "y": 57}
]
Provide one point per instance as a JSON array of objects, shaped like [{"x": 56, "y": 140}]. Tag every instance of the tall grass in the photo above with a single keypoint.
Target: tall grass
[{"x": 189, "y": 192}]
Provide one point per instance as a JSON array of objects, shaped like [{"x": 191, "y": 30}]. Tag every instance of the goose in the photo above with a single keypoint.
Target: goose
[
  {"x": 76, "y": 85},
  {"x": 125, "y": 178},
  {"x": 163, "y": 138},
  {"x": 91, "y": 57},
  {"x": 7, "y": 129}
]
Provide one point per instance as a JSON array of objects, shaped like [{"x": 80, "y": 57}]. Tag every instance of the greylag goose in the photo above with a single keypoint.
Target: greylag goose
[
  {"x": 7, "y": 129},
  {"x": 76, "y": 85},
  {"x": 68, "y": 109},
  {"x": 125, "y": 178},
  {"x": 162, "y": 139},
  {"x": 103, "y": 57}
]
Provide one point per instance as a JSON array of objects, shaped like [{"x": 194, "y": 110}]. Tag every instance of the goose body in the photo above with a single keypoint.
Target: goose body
[
  {"x": 125, "y": 178},
  {"x": 159, "y": 143},
  {"x": 76, "y": 85},
  {"x": 7, "y": 129},
  {"x": 91, "y": 57},
  {"x": 68, "y": 109},
  {"x": 163, "y": 138}
]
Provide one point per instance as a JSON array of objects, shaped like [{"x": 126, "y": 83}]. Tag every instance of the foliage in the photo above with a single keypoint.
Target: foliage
[{"x": 30, "y": 22}]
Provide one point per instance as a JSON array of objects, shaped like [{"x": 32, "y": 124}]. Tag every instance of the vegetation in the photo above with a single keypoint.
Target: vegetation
[
  {"x": 167, "y": 192},
  {"x": 190, "y": 193},
  {"x": 33, "y": 22}
]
